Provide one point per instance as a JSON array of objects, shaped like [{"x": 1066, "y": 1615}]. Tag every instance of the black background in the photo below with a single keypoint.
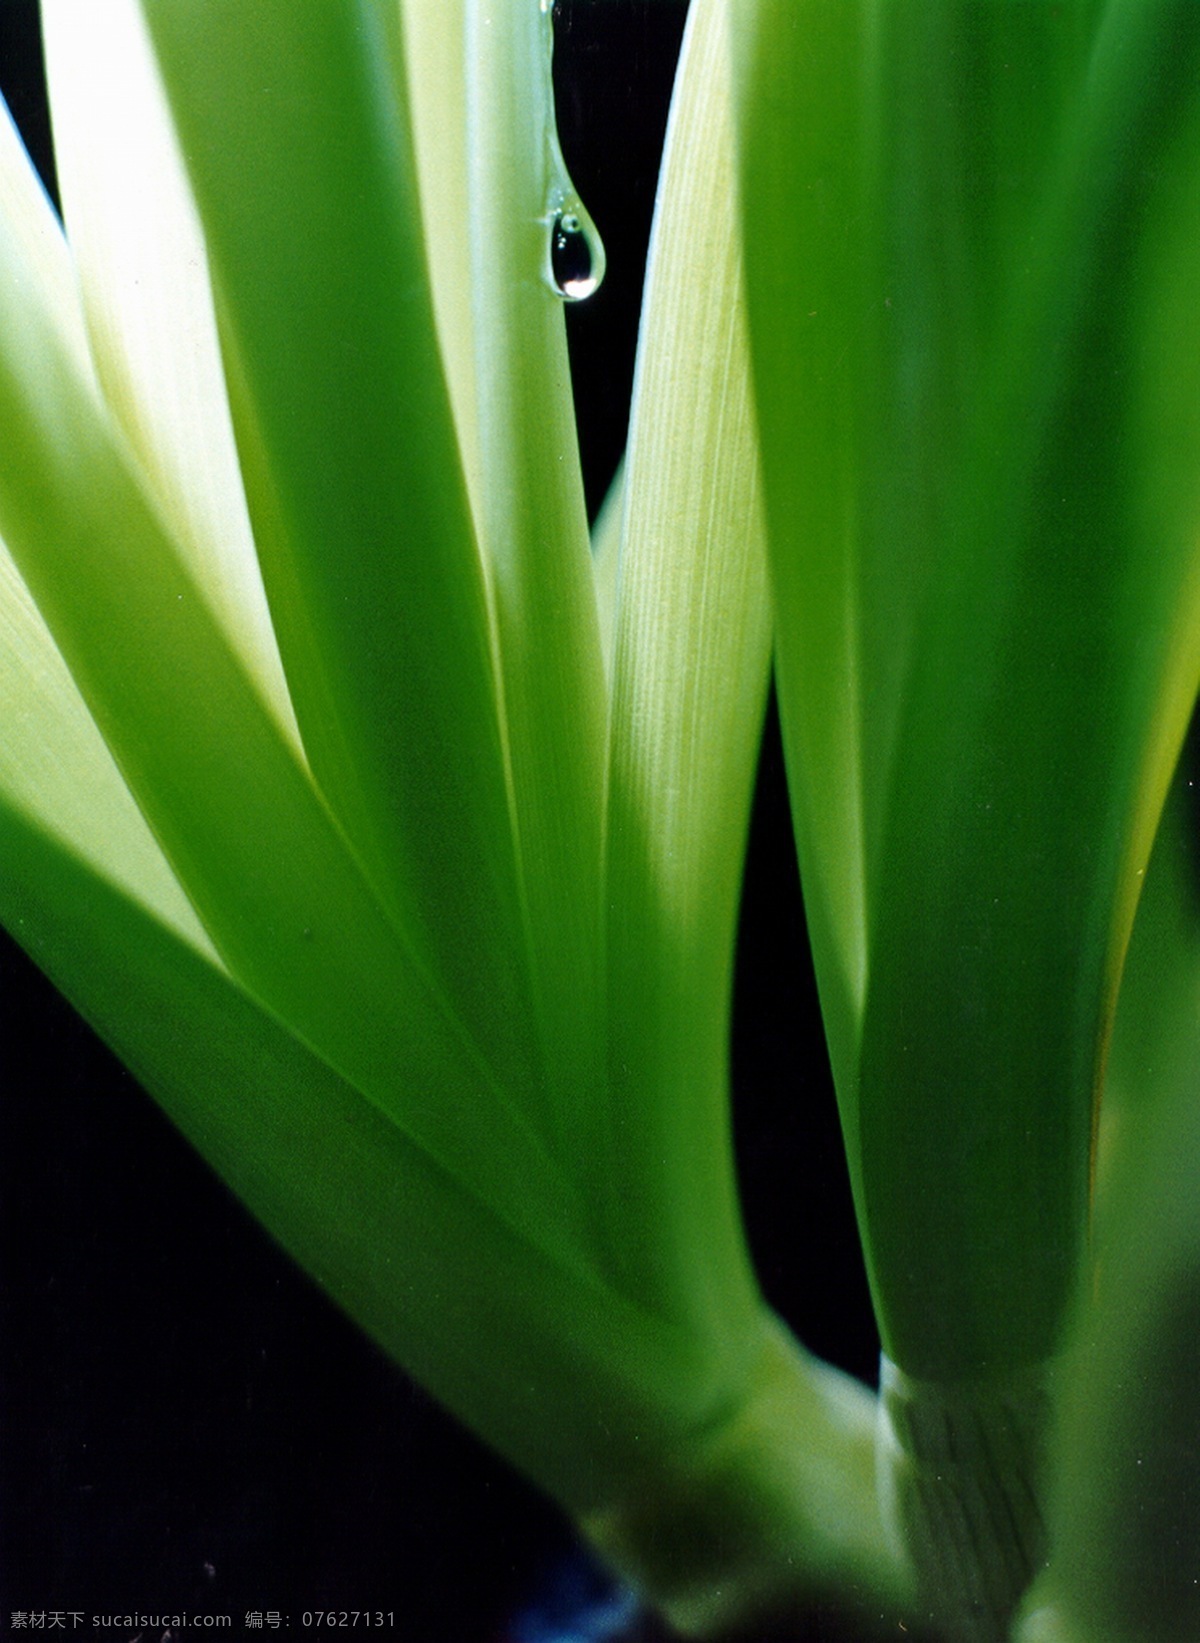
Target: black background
[{"x": 186, "y": 1422}]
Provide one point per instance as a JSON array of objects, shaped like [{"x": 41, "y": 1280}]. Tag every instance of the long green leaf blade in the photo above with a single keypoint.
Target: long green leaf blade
[
  {"x": 231, "y": 806},
  {"x": 1123, "y": 1506},
  {"x": 1043, "y": 714},
  {"x": 57, "y": 773},
  {"x": 964, "y": 461},
  {"x": 534, "y": 536},
  {"x": 575, "y": 1385},
  {"x": 689, "y": 681},
  {"x": 299, "y": 149},
  {"x": 977, "y": 539},
  {"x": 143, "y": 274}
]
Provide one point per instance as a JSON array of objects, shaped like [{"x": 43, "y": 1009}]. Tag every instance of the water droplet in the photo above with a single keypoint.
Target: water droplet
[
  {"x": 575, "y": 259},
  {"x": 576, "y": 255}
]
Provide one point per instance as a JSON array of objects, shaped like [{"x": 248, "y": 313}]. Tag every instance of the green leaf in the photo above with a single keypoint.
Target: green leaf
[
  {"x": 534, "y": 536},
  {"x": 953, "y": 266},
  {"x": 969, "y": 239},
  {"x": 232, "y": 808},
  {"x": 435, "y": 88},
  {"x": 606, "y": 562},
  {"x": 142, "y": 269},
  {"x": 689, "y": 681},
  {"x": 1123, "y": 1508},
  {"x": 300, "y": 152},
  {"x": 55, "y": 769},
  {"x": 56, "y": 772},
  {"x": 38, "y": 242},
  {"x": 1056, "y": 672},
  {"x": 578, "y": 1387}
]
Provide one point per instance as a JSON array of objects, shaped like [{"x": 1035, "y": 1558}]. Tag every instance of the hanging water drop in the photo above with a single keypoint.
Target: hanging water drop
[
  {"x": 574, "y": 262},
  {"x": 576, "y": 255}
]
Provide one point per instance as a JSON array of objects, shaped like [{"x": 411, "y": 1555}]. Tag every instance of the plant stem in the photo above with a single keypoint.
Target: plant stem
[
  {"x": 960, "y": 1475},
  {"x": 769, "y": 1508}
]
